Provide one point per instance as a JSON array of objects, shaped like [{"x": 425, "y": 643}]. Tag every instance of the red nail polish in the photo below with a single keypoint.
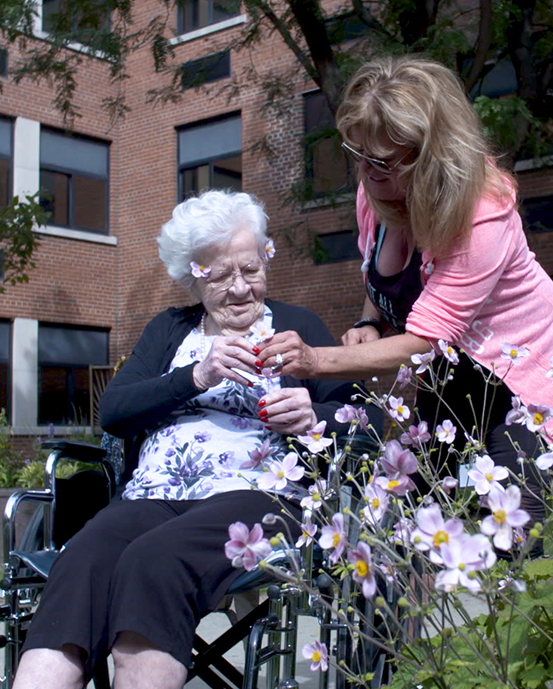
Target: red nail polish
[
  {"x": 263, "y": 412},
  {"x": 258, "y": 371},
  {"x": 250, "y": 384},
  {"x": 268, "y": 428},
  {"x": 258, "y": 363},
  {"x": 261, "y": 403},
  {"x": 255, "y": 350}
]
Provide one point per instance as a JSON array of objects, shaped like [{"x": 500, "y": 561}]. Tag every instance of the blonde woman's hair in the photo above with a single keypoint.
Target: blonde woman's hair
[{"x": 421, "y": 104}]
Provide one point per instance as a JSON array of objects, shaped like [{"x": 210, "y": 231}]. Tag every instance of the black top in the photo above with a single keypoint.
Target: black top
[
  {"x": 394, "y": 295},
  {"x": 140, "y": 397}
]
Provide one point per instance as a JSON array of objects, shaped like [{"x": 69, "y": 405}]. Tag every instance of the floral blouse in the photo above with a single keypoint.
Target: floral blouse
[{"x": 215, "y": 444}]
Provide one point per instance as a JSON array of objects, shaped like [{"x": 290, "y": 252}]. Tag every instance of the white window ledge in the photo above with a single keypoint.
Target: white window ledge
[
  {"x": 60, "y": 432},
  {"x": 80, "y": 235},
  {"x": 325, "y": 202},
  {"x": 77, "y": 47},
  {"x": 207, "y": 30},
  {"x": 533, "y": 164}
]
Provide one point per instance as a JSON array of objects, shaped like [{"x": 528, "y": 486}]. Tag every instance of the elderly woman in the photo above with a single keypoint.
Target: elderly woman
[{"x": 198, "y": 428}]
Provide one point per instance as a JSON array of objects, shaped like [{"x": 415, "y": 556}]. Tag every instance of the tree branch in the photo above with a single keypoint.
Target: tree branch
[{"x": 482, "y": 44}]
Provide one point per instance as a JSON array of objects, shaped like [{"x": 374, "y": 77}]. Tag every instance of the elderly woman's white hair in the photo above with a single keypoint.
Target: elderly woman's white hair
[{"x": 203, "y": 220}]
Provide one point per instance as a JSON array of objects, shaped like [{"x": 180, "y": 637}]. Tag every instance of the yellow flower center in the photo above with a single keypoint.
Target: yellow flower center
[
  {"x": 336, "y": 540},
  {"x": 280, "y": 474},
  {"x": 400, "y": 409},
  {"x": 375, "y": 503},
  {"x": 202, "y": 267},
  {"x": 316, "y": 436},
  {"x": 316, "y": 496},
  {"x": 461, "y": 566},
  {"x": 392, "y": 484},
  {"x": 514, "y": 353},
  {"x": 538, "y": 418},
  {"x": 316, "y": 656},
  {"x": 305, "y": 534},
  {"x": 440, "y": 537},
  {"x": 500, "y": 516},
  {"x": 361, "y": 568},
  {"x": 489, "y": 477}
]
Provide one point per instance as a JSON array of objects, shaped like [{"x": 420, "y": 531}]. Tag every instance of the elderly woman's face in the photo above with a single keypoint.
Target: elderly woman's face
[{"x": 233, "y": 294}]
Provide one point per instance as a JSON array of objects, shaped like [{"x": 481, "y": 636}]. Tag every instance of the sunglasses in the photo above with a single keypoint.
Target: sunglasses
[{"x": 376, "y": 163}]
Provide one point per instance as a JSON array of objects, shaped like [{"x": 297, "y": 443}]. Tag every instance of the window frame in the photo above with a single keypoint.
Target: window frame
[
  {"x": 9, "y": 158},
  {"x": 8, "y": 363},
  {"x": 181, "y": 31},
  {"x": 71, "y": 172},
  {"x": 209, "y": 160},
  {"x": 70, "y": 373}
]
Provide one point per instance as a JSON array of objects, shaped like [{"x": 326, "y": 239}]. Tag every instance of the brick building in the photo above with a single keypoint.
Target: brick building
[{"x": 98, "y": 279}]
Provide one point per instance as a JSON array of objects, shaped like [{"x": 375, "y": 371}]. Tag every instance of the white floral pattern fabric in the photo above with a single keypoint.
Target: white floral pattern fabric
[{"x": 215, "y": 444}]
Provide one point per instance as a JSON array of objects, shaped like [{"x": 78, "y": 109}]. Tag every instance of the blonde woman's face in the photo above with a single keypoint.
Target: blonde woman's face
[{"x": 389, "y": 185}]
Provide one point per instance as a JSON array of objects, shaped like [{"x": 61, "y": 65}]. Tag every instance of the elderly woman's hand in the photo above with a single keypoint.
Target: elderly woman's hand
[
  {"x": 288, "y": 353},
  {"x": 226, "y": 353},
  {"x": 288, "y": 411}
]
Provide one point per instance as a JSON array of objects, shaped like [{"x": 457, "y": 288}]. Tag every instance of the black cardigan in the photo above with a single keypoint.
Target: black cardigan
[{"x": 140, "y": 397}]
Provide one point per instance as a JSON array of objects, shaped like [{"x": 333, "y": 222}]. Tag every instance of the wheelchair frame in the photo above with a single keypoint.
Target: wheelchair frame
[{"x": 271, "y": 628}]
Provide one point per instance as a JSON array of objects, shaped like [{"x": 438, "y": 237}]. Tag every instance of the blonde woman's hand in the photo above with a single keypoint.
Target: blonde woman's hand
[
  {"x": 287, "y": 354},
  {"x": 355, "y": 336}
]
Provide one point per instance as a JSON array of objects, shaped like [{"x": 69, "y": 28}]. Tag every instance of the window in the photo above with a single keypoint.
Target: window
[
  {"x": 206, "y": 69},
  {"x": 74, "y": 181},
  {"x": 5, "y": 337},
  {"x": 5, "y": 160},
  {"x": 326, "y": 163},
  {"x": 195, "y": 14},
  {"x": 64, "y": 355},
  {"x": 537, "y": 214},
  {"x": 83, "y": 19},
  {"x": 210, "y": 156},
  {"x": 332, "y": 247},
  {"x": 3, "y": 62}
]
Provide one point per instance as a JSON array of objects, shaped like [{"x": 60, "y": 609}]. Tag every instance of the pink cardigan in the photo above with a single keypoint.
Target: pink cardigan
[{"x": 489, "y": 292}]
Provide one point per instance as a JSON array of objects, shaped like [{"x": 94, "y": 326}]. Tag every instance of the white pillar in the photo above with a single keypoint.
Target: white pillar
[
  {"x": 26, "y": 157},
  {"x": 24, "y": 373}
]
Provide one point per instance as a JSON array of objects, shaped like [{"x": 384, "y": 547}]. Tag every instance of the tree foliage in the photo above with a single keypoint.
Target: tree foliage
[{"x": 473, "y": 37}]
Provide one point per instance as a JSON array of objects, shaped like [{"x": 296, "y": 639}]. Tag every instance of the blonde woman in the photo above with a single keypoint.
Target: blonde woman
[{"x": 445, "y": 256}]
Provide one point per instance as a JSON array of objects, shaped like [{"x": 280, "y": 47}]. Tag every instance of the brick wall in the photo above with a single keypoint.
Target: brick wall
[{"x": 122, "y": 287}]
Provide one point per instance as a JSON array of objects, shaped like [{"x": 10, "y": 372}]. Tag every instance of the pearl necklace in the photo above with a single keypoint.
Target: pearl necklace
[{"x": 202, "y": 337}]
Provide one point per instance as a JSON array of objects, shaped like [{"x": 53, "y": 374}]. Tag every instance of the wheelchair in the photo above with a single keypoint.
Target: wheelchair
[{"x": 269, "y": 631}]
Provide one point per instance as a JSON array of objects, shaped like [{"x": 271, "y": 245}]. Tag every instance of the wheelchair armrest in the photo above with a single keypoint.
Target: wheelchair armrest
[
  {"x": 16, "y": 498},
  {"x": 76, "y": 452}
]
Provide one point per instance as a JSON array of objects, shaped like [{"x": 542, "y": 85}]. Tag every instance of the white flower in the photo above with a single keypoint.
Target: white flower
[
  {"x": 350, "y": 414},
  {"x": 404, "y": 376},
  {"x": 376, "y": 499},
  {"x": 514, "y": 353},
  {"x": 397, "y": 409},
  {"x": 260, "y": 332},
  {"x": 199, "y": 271},
  {"x": 538, "y": 416},
  {"x": 317, "y": 493},
  {"x": 549, "y": 373},
  {"x": 318, "y": 655},
  {"x": 270, "y": 250},
  {"x": 314, "y": 440},
  {"x": 448, "y": 351},
  {"x": 461, "y": 556},
  {"x": 505, "y": 516},
  {"x": 308, "y": 531},
  {"x": 545, "y": 461},
  {"x": 280, "y": 473},
  {"x": 518, "y": 413},
  {"x": 423, "y": 361},
  {"x": 446, "y": 431},
  {"x": 486, "y": 474}
]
